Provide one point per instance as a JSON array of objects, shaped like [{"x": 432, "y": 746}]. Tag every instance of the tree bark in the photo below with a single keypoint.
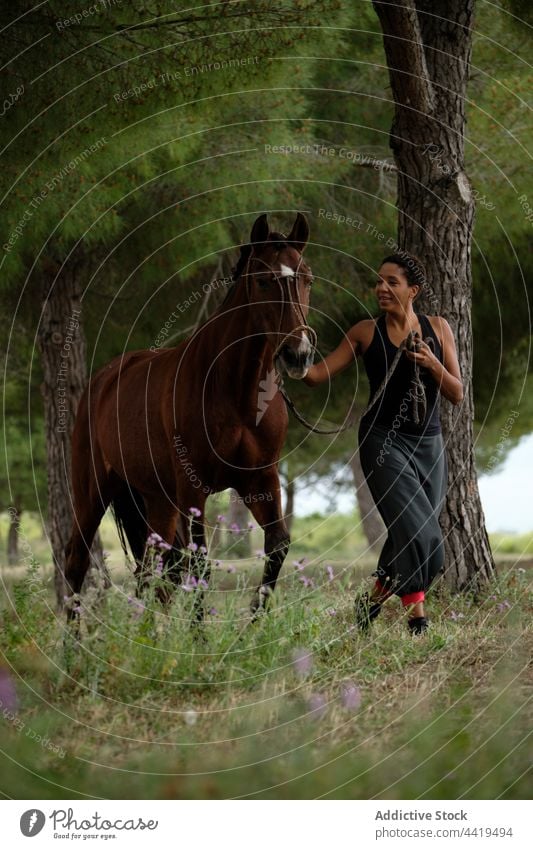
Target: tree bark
[
  {"x": 373, "y": 526},
  {"x": 428, "y": 47},
  {"x": 13, "y": 535},
  {"x": 63, "y": 359}
]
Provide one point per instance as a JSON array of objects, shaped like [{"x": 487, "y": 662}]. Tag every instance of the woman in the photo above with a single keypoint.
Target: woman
[{"x": 401, "y": 449}]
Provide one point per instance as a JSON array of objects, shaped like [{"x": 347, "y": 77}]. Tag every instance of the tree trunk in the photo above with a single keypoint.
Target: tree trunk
[
  {"x": 63, "y": 359},
  {"x": 289, "y": 503},
  {"x": 428, "y": 46},
  {"x": 13, "y": 535},
  {"x": 373, "y": 526},
  {"x": 239, "y": 515}
]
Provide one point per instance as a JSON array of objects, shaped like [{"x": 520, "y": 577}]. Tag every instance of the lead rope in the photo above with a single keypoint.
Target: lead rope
[{"x": 418, "y": 392}]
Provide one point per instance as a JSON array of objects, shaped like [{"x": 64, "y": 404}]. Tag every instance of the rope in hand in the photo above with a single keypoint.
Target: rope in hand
[{"x": 418, "y": 392}]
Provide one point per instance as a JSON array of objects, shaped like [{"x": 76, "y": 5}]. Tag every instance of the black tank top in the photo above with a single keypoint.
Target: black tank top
[{"x": 395, "y": 403}]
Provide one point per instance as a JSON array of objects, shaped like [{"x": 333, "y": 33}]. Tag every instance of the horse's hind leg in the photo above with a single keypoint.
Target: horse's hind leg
[{"x": 88, "y": 514}]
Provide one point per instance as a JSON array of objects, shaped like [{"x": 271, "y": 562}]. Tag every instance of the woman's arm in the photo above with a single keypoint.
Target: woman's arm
[
  {"x": 337, "y": 361},
  {"x": 447, "y": 374}
]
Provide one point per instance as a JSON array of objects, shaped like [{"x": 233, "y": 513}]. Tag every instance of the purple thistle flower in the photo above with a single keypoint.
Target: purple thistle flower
[
  {"x": 193, "y": 546},
  {"x": 234, "y": 528},
  {"x": 8, "y": 694},
  {"x": 212, "y": 611},
  {"x": 331, "y": 611},
  {"x": 307, "y": 582},
  {"x": 203, "y": 583},
  {"x": 217, "y": 563},
  {"x": 195, "y": 511},
  {"x": 259, "y": 553},
  {"x": 503, "y": 605},
  {"x": 302, "y": 662},
  {"x": 231, "y": 568},
  {"x": 299, "y": 564},
  {"x": 318, "y": 705},
  {"x": 154, "y": 539},
  {"x": 190, "y": 583},
  {"x": 202, "y": 549},
  {"x": 350, "y": 696},
  {"x": 138, "y": 607},
  {"x": 455, "y": 616},
  {"x": 164, "y": 546},
  {"x": 331, "y": 575},
  {"x": 251, "y": 525},
  {"x": 221, "y": 518}
]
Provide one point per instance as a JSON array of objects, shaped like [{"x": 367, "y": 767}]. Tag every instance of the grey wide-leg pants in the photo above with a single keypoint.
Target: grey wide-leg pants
[{"x": 407, "y": 476}]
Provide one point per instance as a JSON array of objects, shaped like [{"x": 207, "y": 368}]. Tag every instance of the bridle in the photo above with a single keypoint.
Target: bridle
[
  {"x": 313, "y": 338},
  {"x": 293, "y": 304}
]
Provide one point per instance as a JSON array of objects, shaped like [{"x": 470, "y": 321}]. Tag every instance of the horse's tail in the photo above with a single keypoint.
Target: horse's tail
[{"x": 130, "y": 518}]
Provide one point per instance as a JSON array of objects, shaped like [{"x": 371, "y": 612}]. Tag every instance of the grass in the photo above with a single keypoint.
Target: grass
[{"x": 297, "y": 705}]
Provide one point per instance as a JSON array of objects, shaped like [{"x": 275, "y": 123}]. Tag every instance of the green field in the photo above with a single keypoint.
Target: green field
[{"x": 297, "y": 705}]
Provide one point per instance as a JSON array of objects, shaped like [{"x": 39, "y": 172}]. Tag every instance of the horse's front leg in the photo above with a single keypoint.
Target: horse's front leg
[{"x": 264, "y": 500}]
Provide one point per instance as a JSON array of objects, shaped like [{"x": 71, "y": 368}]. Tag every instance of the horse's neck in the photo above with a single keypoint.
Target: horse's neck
[{"x": 237, "y": 356}]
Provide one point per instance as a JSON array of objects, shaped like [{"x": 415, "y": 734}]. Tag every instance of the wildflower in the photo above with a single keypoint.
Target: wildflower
[
  {"x": 504, "y": 605},
  {"x": 259, "y": 553},
  {"x": 331, "y": 611},
  {"x": 193, "y": 546},
  {"x": 454, "y": 615},
  {"x": 8, "y": 694},
  {"x": 217, "y": 563},
  {"x": 190, "y": 717},
  {"x": 202, "y": 583},
  {"x": 302, "y": 662},
  {"x": 154, "y": 539},
  {"x": 195, "y": 511},
  {"x": 299, "y": 564},
  {"x": 329, "y": 570},
  {"x": 212, "y": 611},
  {"x": 164, "y": 546},
  {"x": 231, "y": 568},
  {"x": 307, "y": 582},
  {"x": 221, "y": 518},
  {"x": 350, "y": 696},
  {"x": 202, "y": 549},
  {"x": 190, "y": 583},
  {"x": 137, "y": 607},
  {"x": 318, "y": 704},
  {"x": 234, "y": 528},
  {"x": 251, "y": 525}
]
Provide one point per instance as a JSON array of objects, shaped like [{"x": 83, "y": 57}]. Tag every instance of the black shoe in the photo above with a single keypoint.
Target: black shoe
[
  {"x": 418, "y": 625},
  {"x": 366, "y": 611}
]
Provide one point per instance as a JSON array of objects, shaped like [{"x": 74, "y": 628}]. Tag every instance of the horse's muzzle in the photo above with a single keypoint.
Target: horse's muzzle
[{"x": 296, "y": 361}]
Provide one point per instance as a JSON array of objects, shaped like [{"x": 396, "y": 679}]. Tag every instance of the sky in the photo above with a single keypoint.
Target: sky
[{"x": 506, "y": 495}]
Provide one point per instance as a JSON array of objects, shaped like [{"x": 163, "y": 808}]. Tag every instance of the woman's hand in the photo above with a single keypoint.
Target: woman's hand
[{"x": 425, "y": 358}]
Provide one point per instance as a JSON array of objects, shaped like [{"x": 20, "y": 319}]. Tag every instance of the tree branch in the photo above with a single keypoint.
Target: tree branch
[{"x": 402, "y": 40}]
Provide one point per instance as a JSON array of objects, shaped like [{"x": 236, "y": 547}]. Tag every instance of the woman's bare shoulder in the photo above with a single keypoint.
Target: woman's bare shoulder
[{"x": 361, "y": 333}]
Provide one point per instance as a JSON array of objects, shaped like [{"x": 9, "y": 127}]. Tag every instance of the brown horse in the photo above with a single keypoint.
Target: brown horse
[{"x": 158, "y": 431}]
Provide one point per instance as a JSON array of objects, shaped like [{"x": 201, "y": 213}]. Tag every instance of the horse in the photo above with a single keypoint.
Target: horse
[{"x": 159, "y": 430}]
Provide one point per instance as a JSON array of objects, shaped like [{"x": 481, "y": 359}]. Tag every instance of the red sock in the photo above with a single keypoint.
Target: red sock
[{"x": 413, "y": 598}]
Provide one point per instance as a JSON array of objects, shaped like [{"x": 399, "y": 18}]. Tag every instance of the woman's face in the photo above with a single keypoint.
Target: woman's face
[{"x": 392, "y": 288}]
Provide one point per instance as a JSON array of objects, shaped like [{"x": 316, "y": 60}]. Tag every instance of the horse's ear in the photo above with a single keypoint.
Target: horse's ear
[
  {"x": 299, "y": 235},
  {"x": 260, "y": 230}
]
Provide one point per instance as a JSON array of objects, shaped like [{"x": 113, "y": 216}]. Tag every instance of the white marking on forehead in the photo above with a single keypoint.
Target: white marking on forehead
[{"x": 285, "y": 271}]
